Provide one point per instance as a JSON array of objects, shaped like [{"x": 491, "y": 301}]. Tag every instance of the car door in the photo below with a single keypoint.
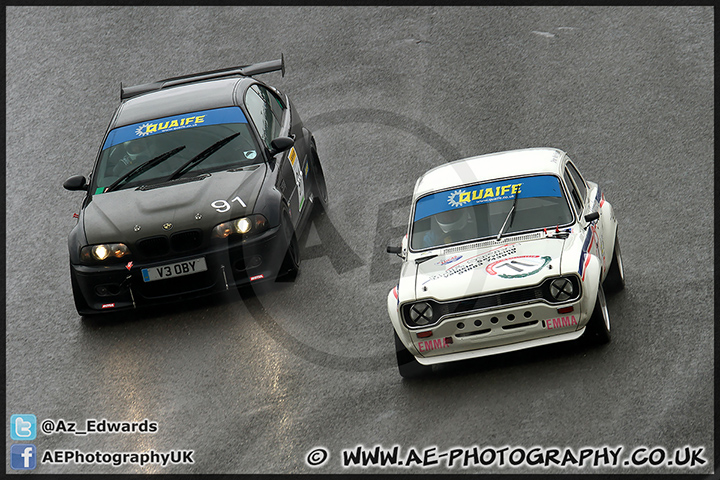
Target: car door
[
  {"x": 292, "y": 127},
  {"x": 587, "y": 199},
  {"x": 272, "y": 119}
]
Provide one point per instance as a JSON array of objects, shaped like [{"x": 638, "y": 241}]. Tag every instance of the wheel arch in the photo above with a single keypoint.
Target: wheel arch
[
  {"x": 400, "y": 330},
  {"x": 591, "y": 280}
]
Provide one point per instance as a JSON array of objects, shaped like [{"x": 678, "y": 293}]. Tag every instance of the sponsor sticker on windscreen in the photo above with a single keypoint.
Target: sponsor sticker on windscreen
[
  {"x": 215, "y": 116},
  {"x": 173, "y": 270},
  {"x": 527, "y": 187}
]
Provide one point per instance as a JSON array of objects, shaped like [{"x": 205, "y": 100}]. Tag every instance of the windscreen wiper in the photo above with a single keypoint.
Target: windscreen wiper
[
  {"x": 202, "y": 156},
  {"x": 140, "y": 169},
  {"x": 510, "y": 216}
]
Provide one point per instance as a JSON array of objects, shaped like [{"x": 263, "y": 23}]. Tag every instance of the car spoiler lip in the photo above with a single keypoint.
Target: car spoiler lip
[{"x": 244, "y": 70}]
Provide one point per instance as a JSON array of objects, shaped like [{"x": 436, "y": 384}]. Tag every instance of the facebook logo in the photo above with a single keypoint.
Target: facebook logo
[
  {"x": 22, "y": 457},
  {"x": 23, "y": 427}
]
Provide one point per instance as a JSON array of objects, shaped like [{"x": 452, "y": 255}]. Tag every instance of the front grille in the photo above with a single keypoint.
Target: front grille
[
  {"x": 187, "y": 240},
  {"x": 180, "y": 242},
  {"x": 497, "y": 300},
  {"x": 153, "y": 246},
  {"x": 491, "y": 301},
  {"x": 441, "y": 309}
]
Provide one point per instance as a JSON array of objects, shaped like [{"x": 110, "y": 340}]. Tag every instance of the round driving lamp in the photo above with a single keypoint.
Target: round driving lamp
[
  {"x": 562, "y": 289},
  {"x": 421, "y": 314}
]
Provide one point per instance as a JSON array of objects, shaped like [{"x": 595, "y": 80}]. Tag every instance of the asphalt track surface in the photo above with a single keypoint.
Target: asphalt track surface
[{"x": 256, "y": 385}]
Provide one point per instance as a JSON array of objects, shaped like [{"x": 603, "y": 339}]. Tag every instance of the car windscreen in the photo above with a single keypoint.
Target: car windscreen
[
  {"x": 479, "y": 211},
  {"x": 201, "y": 142}
]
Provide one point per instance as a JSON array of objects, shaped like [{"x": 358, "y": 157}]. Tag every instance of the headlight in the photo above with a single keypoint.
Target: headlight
[
  {"x": 242, "y": 225},
  {"x": 105, "y": 253},
  {"x": 251, "y": 225},
  {"x": 563, "y": 289},
  {"x": 420, "y": 314}
]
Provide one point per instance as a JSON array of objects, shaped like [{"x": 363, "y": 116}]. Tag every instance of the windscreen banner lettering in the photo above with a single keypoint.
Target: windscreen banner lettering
[
  {"x": 463, "y": 197},
  {"x": 215, "y": 116},
  {"x": 148, "y": 128},
  {"x": 528, "y": 187}
]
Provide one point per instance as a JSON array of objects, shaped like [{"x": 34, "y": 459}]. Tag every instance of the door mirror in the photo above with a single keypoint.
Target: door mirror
[
  {"x": 78, "y": 182},
  {"x": 394, "y": 249},
  {"x": 281, "y": 144},
  {"x": 591, "y": 217}
]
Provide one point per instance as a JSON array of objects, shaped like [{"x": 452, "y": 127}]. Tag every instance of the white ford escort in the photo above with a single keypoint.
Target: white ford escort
[{"x": 503, "y": 252}]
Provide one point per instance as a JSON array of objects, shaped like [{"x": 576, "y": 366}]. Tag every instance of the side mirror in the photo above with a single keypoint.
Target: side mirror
[
  {"x": 394, "y": 249},
  {"x": 78, "y": 182},
  {"x": 591, "y": 217},
  {"x": 281, "y": 144}
]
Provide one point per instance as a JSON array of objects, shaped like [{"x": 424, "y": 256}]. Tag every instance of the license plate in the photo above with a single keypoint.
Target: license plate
[{"x": 173, "y": 270}]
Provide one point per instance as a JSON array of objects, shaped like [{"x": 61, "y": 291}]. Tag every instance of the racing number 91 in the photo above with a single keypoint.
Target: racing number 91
[{"x": 223, "y": 206}]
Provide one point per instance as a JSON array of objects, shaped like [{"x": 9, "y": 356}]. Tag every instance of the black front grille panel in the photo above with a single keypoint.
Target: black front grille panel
[
  {"x": 479, "y": 303},
  {"x": 153, "y": 246},
  {"x": 186, "y": 241},
  {"x": 160, "y": 246},
  {"x": 491, "y": 301},
  {"x": 498, "y": 300}
]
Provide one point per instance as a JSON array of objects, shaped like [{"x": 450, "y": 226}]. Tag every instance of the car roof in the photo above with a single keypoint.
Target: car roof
[
  {"x": 491, "y": 166},
  {"x": 185, "y": 98}
]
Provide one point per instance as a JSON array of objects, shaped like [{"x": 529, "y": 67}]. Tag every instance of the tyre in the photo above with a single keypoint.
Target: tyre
[
  {"x": 290, "y": 266},
  {"x": 598, "y": 329},
  {"x": 615, "y": 278},
  {"x": 407, "y": 365}
]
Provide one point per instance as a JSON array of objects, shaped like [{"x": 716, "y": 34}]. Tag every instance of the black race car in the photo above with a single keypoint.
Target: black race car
[{"x": 203, "y": 183}]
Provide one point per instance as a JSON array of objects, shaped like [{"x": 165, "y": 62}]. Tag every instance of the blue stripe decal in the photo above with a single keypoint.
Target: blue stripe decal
[
  {"x": 586, "y": 245},
  {"x": 176, "y": 122},
  {"x": 584, "y": 253},
  {"x": 526, "y": 187}
]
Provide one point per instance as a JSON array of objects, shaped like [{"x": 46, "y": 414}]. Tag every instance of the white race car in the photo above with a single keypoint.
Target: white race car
[{"x": 504, "y": 251}]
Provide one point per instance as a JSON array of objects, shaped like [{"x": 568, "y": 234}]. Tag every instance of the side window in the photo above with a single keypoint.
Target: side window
[
  {"x": 258, "y": 102},
  {"x": 579, "y": 181},
  {"x": 273, "y": 102},
  {"x": 573, "y": 192}
]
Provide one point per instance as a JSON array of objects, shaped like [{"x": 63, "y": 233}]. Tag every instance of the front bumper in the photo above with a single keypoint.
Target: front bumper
[
  {"x": 497, "y": 331},
  {"x": 229, "y": 265}
]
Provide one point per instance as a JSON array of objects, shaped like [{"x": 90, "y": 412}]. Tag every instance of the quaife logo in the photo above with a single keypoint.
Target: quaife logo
[
  {"x": 23, "y": 457},
  {"x": 23, "y": 427}
]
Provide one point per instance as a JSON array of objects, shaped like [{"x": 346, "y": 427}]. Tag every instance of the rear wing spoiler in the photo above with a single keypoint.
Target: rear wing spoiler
[{"x": 245, "y": 70}]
